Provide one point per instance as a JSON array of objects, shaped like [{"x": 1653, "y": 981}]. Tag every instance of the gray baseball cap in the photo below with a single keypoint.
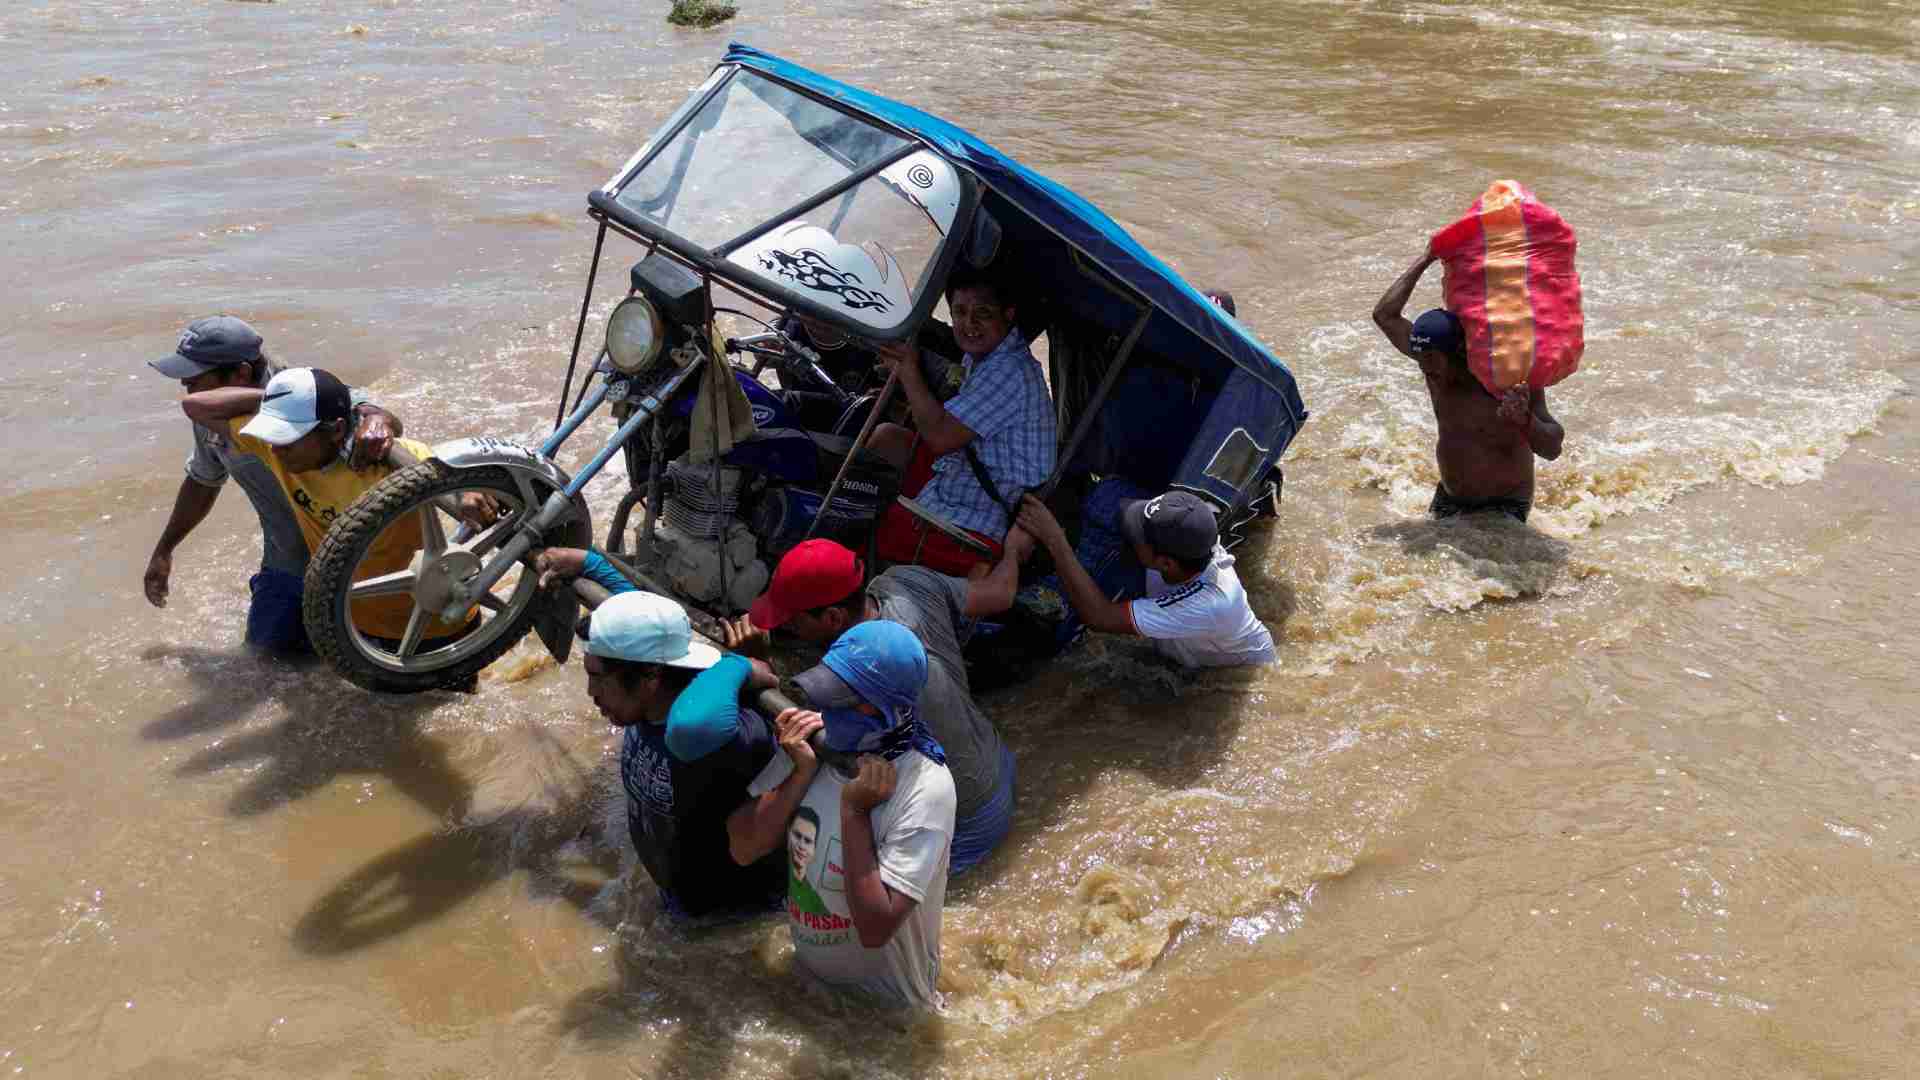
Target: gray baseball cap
[
  {"x": 216, "y": 341},
  {"x": 1178, "y": 523}
]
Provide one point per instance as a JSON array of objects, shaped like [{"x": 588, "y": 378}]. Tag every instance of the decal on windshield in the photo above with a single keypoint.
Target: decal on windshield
[{"x": 811, "y": 270}]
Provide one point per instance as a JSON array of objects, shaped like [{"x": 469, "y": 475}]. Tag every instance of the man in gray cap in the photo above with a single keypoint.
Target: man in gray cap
[
  {"x": 223, "y": 351},
  {"x": 1487, "y": 444},
  {"x": 1193, "y": 606}
]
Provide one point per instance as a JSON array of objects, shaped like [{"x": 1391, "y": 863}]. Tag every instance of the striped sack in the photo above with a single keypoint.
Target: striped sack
[{"x": 1510, "y": 280}]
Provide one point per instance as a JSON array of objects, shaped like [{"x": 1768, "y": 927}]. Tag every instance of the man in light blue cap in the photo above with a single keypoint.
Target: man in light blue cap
[
  {"x": 864, "y": 906},
  {"x": 684, "y": 772}
]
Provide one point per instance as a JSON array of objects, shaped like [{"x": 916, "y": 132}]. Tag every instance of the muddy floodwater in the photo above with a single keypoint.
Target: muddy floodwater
[{"x": 1629, "y": 791}]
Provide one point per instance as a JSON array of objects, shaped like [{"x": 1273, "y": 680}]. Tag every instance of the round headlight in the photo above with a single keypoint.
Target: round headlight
[{"x": 634, "y": 335}]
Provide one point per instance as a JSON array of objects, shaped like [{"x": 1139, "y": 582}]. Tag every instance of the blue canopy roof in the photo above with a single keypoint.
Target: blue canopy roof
[{"x": 1184, "y": 318}]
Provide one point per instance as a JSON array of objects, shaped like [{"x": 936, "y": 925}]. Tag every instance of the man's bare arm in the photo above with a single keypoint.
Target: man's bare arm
[
  {"x": 190, "y": 507},
  {"x": 1389, "y": 315},
  {"x": 1093, "y": 607},
  {"x": 877, "y": 908},
  {"x": 212, "y": 408},
  {"x": 938, "y": 428},
  {"x": 992, "y": 592},
  {"x": 755, "y": 827},
  {"x": 1544, "y": 433}
]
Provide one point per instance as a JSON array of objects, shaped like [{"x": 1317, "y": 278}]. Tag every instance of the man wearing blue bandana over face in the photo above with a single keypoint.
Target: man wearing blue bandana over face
[{"x": 885, "y": 810}]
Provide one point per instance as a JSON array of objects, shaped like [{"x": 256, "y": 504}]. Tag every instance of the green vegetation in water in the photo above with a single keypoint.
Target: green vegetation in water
[{"x": 700, "y": 13}]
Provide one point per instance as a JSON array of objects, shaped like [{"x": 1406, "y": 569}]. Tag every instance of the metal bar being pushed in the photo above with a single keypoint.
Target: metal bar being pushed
[
  {"x": 718, "y": 369},
  {"x": 859, "y": 443},
  {"x": 533, "y": 531},
  {"x": 562, "y": 432},
  {"x": 1085, "y": 424}
]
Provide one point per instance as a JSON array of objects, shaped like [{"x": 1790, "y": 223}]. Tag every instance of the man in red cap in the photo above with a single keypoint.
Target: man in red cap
[{"x": 820, "y": 591}]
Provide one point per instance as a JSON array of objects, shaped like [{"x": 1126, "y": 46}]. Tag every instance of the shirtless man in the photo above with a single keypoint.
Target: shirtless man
[{"x": 1487, "y": 444}]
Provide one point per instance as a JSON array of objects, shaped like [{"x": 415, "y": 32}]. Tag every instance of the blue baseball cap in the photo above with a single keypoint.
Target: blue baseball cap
[
  {"x": 1437, "y": 329},
  {"x": 878, "y": 662},
  {"x": 648, "y": 629},
  {"x": 216, "y": 341}
]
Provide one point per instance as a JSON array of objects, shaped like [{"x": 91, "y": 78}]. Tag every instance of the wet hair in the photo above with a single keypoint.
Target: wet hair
[{"x": 966, "y": 277}]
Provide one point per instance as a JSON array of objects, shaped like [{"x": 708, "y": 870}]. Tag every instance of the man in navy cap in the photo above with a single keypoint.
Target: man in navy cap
[
  {"x": 222, "y": 351},
  {"x": 1487, "y": 444},
  {"x": 1193, "y": 606},
  {"x": 864, "y": 902}
]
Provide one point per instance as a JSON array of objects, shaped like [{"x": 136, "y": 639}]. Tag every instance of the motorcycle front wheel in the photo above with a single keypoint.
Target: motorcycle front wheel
[{"x": 377, "y": 621}]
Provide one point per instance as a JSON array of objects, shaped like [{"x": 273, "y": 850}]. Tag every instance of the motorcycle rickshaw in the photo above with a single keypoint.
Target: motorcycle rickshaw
[{"x": 811, "y": 201}]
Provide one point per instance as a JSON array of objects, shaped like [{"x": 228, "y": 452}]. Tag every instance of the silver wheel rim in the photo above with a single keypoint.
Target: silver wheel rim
[{"x": 498, "y": 608}]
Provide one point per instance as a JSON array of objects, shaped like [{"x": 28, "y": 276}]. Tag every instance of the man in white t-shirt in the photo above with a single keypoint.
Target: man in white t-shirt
[
  {"x": 1194, "y": 608},
  {"x": 869, "y": 835}
]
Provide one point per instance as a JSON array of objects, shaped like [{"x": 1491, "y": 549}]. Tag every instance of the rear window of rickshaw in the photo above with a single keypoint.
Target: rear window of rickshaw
[{"x": 751, "y": 152}]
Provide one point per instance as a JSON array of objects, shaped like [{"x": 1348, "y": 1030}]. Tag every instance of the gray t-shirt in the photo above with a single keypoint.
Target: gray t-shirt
[
  {"x": 931, "y": 604},
  {"x": 913, "y": 838},
  {"x": 214, "y": 459}
]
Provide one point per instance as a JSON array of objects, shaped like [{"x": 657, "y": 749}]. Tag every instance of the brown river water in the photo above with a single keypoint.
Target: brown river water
[{"x": 1628, "y": 792}]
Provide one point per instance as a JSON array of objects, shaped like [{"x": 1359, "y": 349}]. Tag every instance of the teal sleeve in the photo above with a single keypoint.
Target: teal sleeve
[
  {"x": 706, "y": 715},
  {"x": 601, "y": 572}
]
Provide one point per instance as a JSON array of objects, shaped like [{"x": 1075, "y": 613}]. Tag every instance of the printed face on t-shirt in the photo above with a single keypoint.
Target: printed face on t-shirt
[{"x": 800, "y": 840}]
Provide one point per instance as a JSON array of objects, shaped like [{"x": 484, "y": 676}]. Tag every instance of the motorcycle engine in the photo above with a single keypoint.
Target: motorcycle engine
[{"x": 699, "y": 529}]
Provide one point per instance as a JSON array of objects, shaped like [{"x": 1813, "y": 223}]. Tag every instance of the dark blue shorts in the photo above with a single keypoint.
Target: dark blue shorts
[{"x": 273, "y": 619}]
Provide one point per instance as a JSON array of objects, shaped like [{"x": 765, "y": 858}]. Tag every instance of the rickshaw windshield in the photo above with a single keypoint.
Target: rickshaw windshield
[{"x": 731, "y": 178}]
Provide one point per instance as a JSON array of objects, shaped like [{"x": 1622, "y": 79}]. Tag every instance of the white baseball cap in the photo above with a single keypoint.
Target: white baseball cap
[
  {"x": 295, "y": 402},
  {"x": 648, "y": 629}
]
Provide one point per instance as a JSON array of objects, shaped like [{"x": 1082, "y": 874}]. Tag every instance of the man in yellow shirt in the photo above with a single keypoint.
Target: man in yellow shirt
[{"x": 298, "y": 426}]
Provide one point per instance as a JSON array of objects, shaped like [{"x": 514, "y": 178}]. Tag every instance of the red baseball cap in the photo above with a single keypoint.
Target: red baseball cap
[{"x": 814, "y": 574}]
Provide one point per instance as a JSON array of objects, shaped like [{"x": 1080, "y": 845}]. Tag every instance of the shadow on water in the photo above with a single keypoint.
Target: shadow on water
[
  {"x": 330, "y": 730},
  {"x": 1491, "y": 547},
  {"x": 231, "y": 685},
  {"x": 549, "y": 833},
  {"x": 667, "y": 981},
  {"x": 325, "y": 737}
]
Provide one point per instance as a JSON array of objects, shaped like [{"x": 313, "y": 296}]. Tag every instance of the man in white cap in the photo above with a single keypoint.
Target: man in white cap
[
  {"x": 221, "y": 351},
  {"x": 685, "y": 767},
  {"x": 297, "y": 426}
]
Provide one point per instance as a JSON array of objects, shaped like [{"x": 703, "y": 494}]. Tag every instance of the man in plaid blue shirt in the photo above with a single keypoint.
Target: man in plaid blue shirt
[{"x": 1002, "y": 414}]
